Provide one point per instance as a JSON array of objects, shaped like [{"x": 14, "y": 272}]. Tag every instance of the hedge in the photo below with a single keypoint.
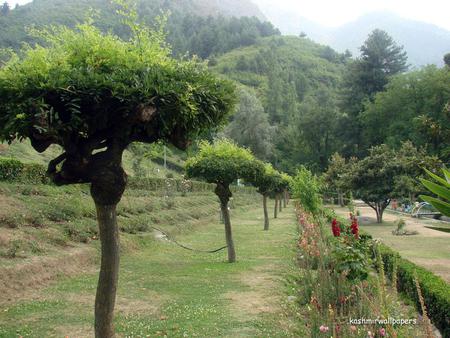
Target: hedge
[
  {"x": 435, "y": 290},
  {"x": 12, "y": 170}
]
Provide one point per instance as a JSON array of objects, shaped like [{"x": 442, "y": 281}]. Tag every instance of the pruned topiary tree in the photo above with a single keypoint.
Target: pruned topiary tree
[
  {"x": 222, "y": 163},
  {"x": 93, "y": 94},
  {"x": 266, "y": 183},
  {"x": 287, "y": 181}
]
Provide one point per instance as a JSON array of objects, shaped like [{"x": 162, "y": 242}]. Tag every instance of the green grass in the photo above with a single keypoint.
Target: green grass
[{"x": 167, "y": 291}]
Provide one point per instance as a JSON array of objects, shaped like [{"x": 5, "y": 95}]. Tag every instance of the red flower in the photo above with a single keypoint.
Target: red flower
[
  {"x": 355, "y": 227},
  {"x": 335, "y": 228}
]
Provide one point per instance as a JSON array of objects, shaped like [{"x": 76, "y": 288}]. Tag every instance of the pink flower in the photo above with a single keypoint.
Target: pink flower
[
  {"x": 324, "y": 328},
  {"x": 353, "y": 328},
  {"x": 382, "y": 332}
]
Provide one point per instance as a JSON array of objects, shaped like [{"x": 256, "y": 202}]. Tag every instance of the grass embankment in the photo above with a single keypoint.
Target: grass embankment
[{"x": 165, "y": 290}]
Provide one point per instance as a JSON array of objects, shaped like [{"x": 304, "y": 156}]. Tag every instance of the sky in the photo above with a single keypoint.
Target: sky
[{"x": 337, "y": 12}]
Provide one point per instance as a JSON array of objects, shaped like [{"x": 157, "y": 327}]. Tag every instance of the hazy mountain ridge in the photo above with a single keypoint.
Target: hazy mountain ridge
[
  {"x": 46, "y": 12},
  {"x": 425, "y": 43}
]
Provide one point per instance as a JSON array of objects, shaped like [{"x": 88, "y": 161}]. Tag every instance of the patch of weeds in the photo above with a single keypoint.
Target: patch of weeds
[
  {"x": 81, "y": 232},
  {"x": 12, "y": 221},
  {"x": 401, "y": 231},
  {"x": 36, "y": 220},
  {"x": 134, "y": 226},
  {"x": 13, "y": 249},
  {"x": 35, "y": 248}
]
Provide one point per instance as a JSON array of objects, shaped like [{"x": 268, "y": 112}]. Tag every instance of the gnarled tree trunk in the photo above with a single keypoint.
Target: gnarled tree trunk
[
  {"x": 266, "y": 214},
  {"x": 224, "y": 194}
]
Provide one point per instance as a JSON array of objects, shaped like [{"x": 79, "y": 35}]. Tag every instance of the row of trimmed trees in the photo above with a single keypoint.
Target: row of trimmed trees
[
  {"x": 222, "y": 163},
  {"x": 93, "y": 94}
]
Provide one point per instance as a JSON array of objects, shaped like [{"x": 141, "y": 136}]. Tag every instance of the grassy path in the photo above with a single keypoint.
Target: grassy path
[{"x": 167, "y": 291}]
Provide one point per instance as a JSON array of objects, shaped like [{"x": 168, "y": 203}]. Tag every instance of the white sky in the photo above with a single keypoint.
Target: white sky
[{"x": 337, "y": 12}]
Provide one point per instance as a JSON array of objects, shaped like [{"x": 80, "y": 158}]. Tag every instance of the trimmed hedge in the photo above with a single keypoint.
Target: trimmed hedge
[
  {"x": 435, "y": 291},
  {"x": 13, "y": 170}
]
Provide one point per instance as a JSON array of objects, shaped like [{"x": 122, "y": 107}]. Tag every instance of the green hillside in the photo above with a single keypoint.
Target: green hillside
[
  {"x": 290, "y": 75},
  {"x": 198, "y": 26}
]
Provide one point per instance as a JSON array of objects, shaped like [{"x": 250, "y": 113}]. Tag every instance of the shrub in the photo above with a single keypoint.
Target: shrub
[
  {"x": 13, "y": 170},
  {"x": 10, "y": 169},
  {"x": 34, "y": 173},
  {"x": 436, "y": 291},
  {"x": 306, "y": 187}
]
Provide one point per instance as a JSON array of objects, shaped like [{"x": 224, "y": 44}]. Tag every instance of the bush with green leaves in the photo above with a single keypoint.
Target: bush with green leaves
[
  {"x": 222, "y": 163},
  {"x": 441, "y": 188},
  {"x": 10, "y": 169},
  {"x": 94, "y": 94},
  {"x": 306, "y": 187}
]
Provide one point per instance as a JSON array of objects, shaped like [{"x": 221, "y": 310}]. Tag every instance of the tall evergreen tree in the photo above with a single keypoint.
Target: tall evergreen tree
[
  {"x": 5, "y": 9},
  {"x": 381, "y": 58}
]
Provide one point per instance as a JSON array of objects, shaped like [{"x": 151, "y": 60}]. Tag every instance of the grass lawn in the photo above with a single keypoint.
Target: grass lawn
[{"x": 167, "y": 291}]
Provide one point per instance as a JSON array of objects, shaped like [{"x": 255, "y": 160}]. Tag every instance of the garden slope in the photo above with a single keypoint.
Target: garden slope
[
  {"x": 46, "y": 231},
  {"x": 167, "y": 291}
]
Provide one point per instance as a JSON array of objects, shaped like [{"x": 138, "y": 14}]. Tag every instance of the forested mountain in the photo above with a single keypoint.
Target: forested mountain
[
  {"x": 201, "y": 27},
  {"x": 424, "y": 43},
  {"x": 296, "y": 80}
]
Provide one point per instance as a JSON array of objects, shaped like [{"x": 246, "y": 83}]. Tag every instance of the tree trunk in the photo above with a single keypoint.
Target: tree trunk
[
  {"x": 280, "y": 208},
  {"x": 275, "y": 210},
  {"x": 107, "y": 186},
  {"x": 284, "y": 199},
  {"x": 224, "y": 194},
  {"x": 109, "y": 271},
  {"x": 379, "y": 208},
  {"x": 266, "y": 214},
  {"x": 379, "y": 212},
  {"x": 341, "y": 199}
]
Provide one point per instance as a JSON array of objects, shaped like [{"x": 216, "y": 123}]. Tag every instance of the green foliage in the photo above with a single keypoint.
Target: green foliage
[
  {"x": 270, "y": 180},
  {"x": 435, "y": 290},
  {"x": 381, "y": 58},
  {"x": 195, "y": 27},
  {"x": 10, "y": 169},
  {"x": 52, "y": 90},
  {"x": 285, "y": 72},
  {"x": 250, "y": 126},
  {"x": 223, "y": 162},
  {"x": 306, "y": 187},
  {"x": 420, "y": 102},
  {"x": 441, "y": 189},
  {"x": 334, "y": 175},
  {"x": 380, "y": 176},
  {"x": 14, "y": 170},
  {"x": 351, "y": 259}
]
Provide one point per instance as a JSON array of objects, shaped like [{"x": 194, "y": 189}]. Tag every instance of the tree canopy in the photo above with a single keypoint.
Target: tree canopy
[
  {"x": 223, "y": 162},
  {"x": 88, "y": 90}
]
